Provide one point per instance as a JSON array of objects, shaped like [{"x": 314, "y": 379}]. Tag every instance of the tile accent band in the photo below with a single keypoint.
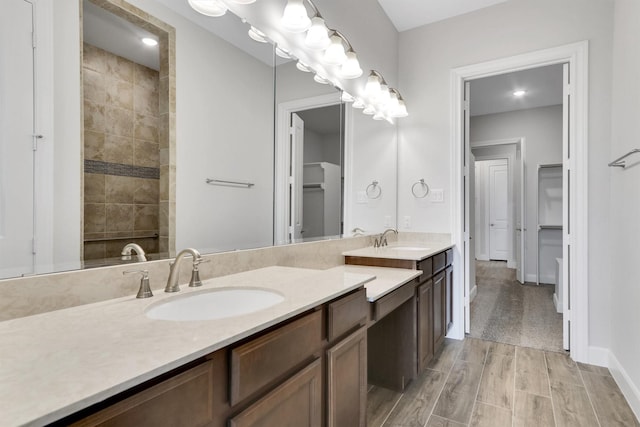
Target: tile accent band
[{"x": 118, "y": 169}]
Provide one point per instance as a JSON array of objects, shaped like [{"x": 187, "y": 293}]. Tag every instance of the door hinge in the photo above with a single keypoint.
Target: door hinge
[
  {"x": 292, "y": 130},
  {"x": 290, "y": 180},
  {"x": 33, "y": 39},
  {"x": 33, "y": 246},
  {"x": 466, "y": 105}
]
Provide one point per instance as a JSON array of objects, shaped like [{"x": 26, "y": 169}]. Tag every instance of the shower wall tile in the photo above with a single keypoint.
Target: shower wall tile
[
  {"x": 146, "y": 153},
  {"x": 118, "y": 149},
  {"x": 93, "y": 145},
  {"x": 94, "y": 116},
  {"x": 120, "y": 189},
  {"x": 94, "y": 217},
  {"x": 94, "y": 86},
  {"x": 118, "y": 121},
  {"x": 146, "y": 127},
  {"x": 119, "y": 67},
  {"x": 119, "y": 94},
  {"x": 119, "y": 217},
  {"x": 94, "y": 188}
]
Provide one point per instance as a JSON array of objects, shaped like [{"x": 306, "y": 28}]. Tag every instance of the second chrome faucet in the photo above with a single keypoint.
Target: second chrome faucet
[
  {"x": 174, "y": 271},
  {"x": 381, "y": 240}
]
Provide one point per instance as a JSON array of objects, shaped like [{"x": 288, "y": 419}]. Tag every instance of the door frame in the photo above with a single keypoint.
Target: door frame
[
  {"x": 576, "y": 54},
  {"x": 283, "y": 156},
  {"x": 517, "y": 143}
]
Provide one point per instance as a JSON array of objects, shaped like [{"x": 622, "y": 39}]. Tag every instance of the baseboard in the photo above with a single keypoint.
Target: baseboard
[
  {"x": 628, "y": 388},
  {"x": 530, "y": 278},
  {"x": 472, "y": 293}
]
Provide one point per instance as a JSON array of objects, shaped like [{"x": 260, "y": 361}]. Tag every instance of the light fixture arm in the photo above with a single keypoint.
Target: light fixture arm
[{"x": 344, "y": 39}]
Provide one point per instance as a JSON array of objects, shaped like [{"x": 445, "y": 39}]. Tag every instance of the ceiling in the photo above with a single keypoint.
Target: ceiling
[
  {"x": 408, "y": 14},
  {"x": 494, "y": 94},
  {"x": 323, "y": 120}
]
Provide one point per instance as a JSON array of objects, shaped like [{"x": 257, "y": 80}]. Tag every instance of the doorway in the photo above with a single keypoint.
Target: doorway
[
  {"x": 574, "y": 161},
  {"x": 310, "y": 159}
]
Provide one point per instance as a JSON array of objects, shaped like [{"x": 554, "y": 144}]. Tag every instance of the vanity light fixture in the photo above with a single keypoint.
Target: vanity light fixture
[
  {"x": 320, "y": 79},
  {"x": 244, "y": 1},
  {"x": 295, "y": 18},
  {"x": 369, "y": 110},
  {"x": 149, "y": 41},
  {"x": 358, "y": 103},
  {"x": 257, "y": 35},
  {"x": 372, "y": 88},
  {"x": 282, "y": 53},
  {"x": 519, "y": 93},
  {"x": 384, "y": 97},
  {"x": 351, "y": 67},
  {"x": 346, "y": 97},
  {"x": 378, "y": 116},
  {"x": 208, "y": 7},
  {"x": 335, "y": 53},
  {"x": 318, "y": 34},
  {"x": 303, "y": 67},
  {"x": 399, "y": 109}
]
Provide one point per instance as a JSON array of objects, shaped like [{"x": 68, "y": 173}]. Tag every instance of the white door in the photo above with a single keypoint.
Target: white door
[
  {"x": 472, "y": 222},
  {"x": 498, "y": 211},
  {"x": 16, "y": 138},
  {"x": 296, "y": 177},
  {"x": 521, "y": 221},
  {"x": 468, "y": 211},
  {"x": 566, "y": 204}
]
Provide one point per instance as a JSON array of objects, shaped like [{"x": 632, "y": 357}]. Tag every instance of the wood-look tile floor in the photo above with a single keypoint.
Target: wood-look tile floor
[{"x": 482, "y": 383}]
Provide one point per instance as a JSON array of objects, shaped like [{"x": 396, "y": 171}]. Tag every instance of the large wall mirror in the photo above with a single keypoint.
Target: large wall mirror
[{"x": 185, "y": 144}]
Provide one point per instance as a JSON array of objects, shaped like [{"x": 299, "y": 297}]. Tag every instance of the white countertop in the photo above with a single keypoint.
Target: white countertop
[
  {"x": 386, "y": 279},
  {"x": 413, "y": 251},
  {"x": 54, "y": 364}
]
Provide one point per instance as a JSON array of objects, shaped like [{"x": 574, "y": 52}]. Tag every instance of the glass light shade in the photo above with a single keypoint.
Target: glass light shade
[
  {"x": 401, "y": 111},
  {"x": 384, "y": 97},
  {"x": 378, "y": 116},
  {"x": 318, "y": 34},
  {"x": 393, "y": 101},
  {"x": 295, "y": 19},
  {"x": 351, "y": 67},
  {"x": 369, "y": 110},
  {"x": 244, "y": 1},
  {"x": 335, "y": 54},
  {"x": 319, "y": 79},
  {"x": 303, "y": 67},
  {"x": 208, "y": 7},
  {"x": 372, "y": 88},
  {"x": 358, "y": 103},
  {"x": 346, "y": 97},
  {"x": 282, "y": 53},
  {"x": 257, "y": 35}
]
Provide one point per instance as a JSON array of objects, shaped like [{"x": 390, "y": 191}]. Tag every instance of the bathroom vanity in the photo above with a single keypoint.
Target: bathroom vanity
[
  {"x": 409, "y": 323},
  {"x": 303, "y": 359}
]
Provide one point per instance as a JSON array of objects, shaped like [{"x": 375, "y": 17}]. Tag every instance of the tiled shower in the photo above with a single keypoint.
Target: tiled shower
[{"x": 121, "y": 154}]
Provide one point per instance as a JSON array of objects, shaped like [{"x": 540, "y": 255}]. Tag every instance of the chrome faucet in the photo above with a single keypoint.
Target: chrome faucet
[
  {"x": 174, "y": 270},
  {"x": 132, "y": 247},
  {"x": 381, "y": 240}
]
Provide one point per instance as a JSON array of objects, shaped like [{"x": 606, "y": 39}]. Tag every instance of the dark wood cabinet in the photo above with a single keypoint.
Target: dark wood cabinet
[
  {"x": 347, "y": 381},
  {"x": 309, "y": 371},
  {"x": 425, "y": 324},
  {"x": 439, "y": 308},
  {"x": 296, "y": 403}
]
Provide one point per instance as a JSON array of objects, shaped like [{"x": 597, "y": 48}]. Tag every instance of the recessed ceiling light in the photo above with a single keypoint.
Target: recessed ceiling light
[
  {"x": 149, "y": 41},
  {"x": 519, "y": 93}
]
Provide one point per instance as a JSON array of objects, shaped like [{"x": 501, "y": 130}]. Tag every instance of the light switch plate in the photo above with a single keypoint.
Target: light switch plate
[{"x": 437, "y": 196}]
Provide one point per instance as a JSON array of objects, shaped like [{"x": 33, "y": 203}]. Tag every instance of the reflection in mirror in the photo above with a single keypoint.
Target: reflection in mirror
[{"x": 105, "y": 175}]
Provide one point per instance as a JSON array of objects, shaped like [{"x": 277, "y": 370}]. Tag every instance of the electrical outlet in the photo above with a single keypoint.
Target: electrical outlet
[
  {"x": 361, "y": 197},
  {"x": 437, "y": 196},
  {"x": 407, "y": 221}
]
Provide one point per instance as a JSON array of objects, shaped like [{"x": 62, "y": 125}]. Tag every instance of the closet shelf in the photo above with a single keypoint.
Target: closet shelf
[{"x": 549, "y": 227}]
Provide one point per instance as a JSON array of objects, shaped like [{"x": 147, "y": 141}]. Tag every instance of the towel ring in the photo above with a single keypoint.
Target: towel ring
[
  {"x": 371, "y": 188},
  {"x": 424, "y": 187}
]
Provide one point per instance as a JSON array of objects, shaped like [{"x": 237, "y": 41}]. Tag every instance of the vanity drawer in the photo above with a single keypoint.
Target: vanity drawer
[
  {"x": 266, "y": 359},
  {"x": 395, "y": 299},
  {"x": 449, "y": 256},
  {"x": 426, "y": 266},
  {"x": 347, "y": 314},
  {"x": 439, "y": 262}
]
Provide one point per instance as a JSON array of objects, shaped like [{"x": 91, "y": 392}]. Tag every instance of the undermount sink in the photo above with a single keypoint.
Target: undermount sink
[
  {"x": 214, "y": 304},
  {"x": 408, "y": 248}
]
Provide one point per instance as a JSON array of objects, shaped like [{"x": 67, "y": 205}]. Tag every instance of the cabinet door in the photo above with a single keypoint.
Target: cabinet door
[
  {"x": 184, "y": 400},
  {"x": 425, "y": 324},
  {"x": 347, "y": 381},
  {"x": 438, "y": 310},
  {"x": 295, "y": 403},
  {"x": 448, "y": 288}
]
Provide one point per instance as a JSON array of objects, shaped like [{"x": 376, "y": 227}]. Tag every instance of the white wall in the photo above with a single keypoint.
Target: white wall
[
  {"x": 427, "y": 55},
  {"x": 542, "y": 130},
  {"x": 624, "y": 201}
]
